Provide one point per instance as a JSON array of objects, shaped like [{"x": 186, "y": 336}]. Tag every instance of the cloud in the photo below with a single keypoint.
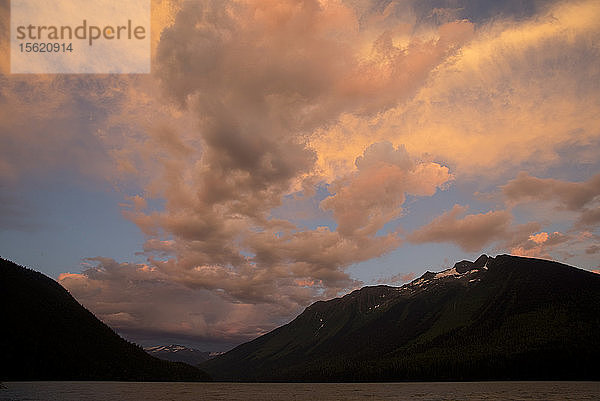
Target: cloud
[
  {"x": 472, "y": 232},
  {"x": 253, "y": 82},
  {"x": 540, "y": 244},
  {"x": 364, "y": 201},
  {"x": 577, "y": 200},
  {"x": 53, "y": 121},
  {"x": 314, "y": 54},
  {"x": 304, "y": 64},
  {"x": 520, "y": 95},
  {"x": 592, "y": 250},
  {"x": 569, "y": 195},
  {"x": 135, "y": 298},
  {"x": 255, "y": 259},
  {"x": 75, "y": 124},
  {"x": 589, "y": 218},
  {"x": 397, "y": 278},
  {"x": 222, "y": 181},
  {"x": 580, "y": 197},
  {"x": 349, "y": 107}
]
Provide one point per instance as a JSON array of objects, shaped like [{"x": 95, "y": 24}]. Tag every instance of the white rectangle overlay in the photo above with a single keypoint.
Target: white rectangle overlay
[{"x": 80, "y": 37}]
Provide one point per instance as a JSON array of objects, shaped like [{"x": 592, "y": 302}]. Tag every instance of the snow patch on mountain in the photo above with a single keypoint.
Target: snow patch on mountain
[{"x": 459, "y": 271}]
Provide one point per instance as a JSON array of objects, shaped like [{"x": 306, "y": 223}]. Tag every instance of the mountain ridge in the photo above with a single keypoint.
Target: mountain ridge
[{"x": 493, "y": 319}]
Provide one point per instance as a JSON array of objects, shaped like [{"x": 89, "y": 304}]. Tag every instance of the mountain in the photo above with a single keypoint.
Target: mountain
[
  {"x": 503, "y": 318},
  {"x": 179, "y": 353},
  {"x": 47, "y": 335}
]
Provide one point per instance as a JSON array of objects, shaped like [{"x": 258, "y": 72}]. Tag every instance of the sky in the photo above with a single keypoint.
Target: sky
[{"x": 284, "y": 152}]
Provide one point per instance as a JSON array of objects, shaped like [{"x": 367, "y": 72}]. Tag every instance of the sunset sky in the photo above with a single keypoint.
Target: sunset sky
[{"x": 283, "y": 152}]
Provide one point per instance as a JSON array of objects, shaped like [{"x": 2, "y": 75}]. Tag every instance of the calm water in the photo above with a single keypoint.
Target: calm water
[{"x": 101, "y": 391}]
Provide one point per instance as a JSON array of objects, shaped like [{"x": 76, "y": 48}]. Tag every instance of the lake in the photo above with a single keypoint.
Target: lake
[{"x": 126, "y": 391}]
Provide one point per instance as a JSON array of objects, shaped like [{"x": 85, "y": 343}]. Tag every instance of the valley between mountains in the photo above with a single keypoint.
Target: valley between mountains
[{"x": 497, "y": 318}]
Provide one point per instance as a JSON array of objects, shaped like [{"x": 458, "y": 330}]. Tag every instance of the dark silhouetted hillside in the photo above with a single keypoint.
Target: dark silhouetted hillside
[
  {"x": 47, "y": 335},
  {"x": 503, "y": 318}
]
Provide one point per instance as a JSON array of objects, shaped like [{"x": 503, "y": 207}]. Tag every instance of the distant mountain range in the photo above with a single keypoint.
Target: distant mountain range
[
  {"x": 179, "y": 353},
  {"x": 503, "y": 318},
  {"x": 47, "y": 335}
]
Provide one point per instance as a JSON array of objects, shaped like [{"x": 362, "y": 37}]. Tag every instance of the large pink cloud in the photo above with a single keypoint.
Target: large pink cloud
[
  {"x": 366, "y": 200},
  {"x": 522, "y": 94},
  {"x": 255, "y": 81}
]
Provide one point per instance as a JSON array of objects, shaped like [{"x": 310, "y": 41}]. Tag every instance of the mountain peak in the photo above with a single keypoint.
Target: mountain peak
[
  {"x": 461, "y": 271},
  {"x": 179, "y": 353},
  {"x": 464, "y": 265}
]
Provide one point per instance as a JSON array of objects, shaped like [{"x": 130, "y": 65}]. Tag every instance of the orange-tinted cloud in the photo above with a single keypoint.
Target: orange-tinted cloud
[
  {"x": 569, "y": 195},
  {"x": 580, "y": 197},
  {"x": 258, "y": 77},
  {"x": 398, "y": 278},
  {"x": 364, "y": 201},
  {"x": 539, "y": 245},
  {"x": 472, "y": 232},
  {"x": 255, "y": 102},
  {"x": 512, "y": 95}
]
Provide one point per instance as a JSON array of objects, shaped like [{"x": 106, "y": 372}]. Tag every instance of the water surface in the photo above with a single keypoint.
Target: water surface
[{"x": 126, "y": 391}]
